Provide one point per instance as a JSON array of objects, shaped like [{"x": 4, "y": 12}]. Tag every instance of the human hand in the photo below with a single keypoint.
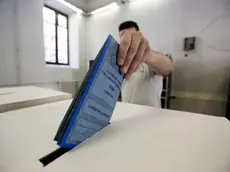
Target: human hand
[{"x": 134, "y": 50}]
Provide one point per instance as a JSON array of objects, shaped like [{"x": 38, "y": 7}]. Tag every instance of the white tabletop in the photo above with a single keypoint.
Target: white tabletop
[
  {"x": 27, "y": 135},
  {"x": 138, "y": 139},
  {"x": 13, "y": 98}
]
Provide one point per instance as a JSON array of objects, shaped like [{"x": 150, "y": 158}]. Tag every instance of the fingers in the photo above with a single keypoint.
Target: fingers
[
  {"x": 133, "y": 49},
  {"x": 124, "y": 47},
  {"x": 132, "y": 52},
  {"x": 145, "y": 56},
  {"x": 138, "y": 59}
]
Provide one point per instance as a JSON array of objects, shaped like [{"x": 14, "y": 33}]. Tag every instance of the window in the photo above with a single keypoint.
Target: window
[{"x": 55, "y": 37}]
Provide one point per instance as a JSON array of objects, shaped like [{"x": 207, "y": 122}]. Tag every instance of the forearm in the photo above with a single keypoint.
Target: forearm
[{"x": 159, "y": 63}]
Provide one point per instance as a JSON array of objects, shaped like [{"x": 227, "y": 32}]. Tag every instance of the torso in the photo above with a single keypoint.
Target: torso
[{"x": 144, "y": 88}]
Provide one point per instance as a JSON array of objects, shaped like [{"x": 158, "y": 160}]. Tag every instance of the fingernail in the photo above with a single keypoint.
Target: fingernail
[
  {"x": 120, "y": 61},
  {"x": 123, "y": 70},
  {"x": 127, "y": 77}
]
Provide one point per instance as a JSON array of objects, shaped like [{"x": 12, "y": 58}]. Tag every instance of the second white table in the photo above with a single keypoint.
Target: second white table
[{"x": 13, "y": 98}]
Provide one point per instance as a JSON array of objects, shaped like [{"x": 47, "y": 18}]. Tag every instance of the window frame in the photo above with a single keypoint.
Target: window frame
[{"x": 56, "y": 37}]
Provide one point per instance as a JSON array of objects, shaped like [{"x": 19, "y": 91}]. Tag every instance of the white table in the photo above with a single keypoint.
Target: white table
[
  {"x": 27, "y": 135},
  {"x": 13, "y": 98},
  {"x": 139, "y": 139}
]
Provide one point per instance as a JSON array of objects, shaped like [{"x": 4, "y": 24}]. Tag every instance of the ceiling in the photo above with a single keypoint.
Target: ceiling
[{"x": 90, "y": 5}]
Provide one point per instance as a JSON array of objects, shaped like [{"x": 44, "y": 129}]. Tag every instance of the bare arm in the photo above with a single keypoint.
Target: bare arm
[
  {"x": 135, "y": 50},
  {"x": 159, "y": 63}
]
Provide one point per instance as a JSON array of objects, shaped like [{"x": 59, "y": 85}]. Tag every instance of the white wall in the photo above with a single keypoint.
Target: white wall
[
  {"x": 8, "y": 65},
  {"x": 22, "y": 32},
  {"x": 165, "y": 23}
]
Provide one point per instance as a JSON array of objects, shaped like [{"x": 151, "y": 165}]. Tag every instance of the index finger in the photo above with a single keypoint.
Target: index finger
[{"x": 124, "y": 47}]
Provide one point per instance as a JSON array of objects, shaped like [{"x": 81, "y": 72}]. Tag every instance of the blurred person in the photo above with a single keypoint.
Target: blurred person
[{"x": 142, "y": 66}]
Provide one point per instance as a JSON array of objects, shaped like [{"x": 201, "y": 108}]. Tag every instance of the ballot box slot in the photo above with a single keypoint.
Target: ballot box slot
[
  {"x": 49, "y": 158},
  {"x": 46, "y": 160}
]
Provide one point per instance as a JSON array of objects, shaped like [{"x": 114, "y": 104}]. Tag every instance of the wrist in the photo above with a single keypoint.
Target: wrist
[{"x": 149, "y": 57}]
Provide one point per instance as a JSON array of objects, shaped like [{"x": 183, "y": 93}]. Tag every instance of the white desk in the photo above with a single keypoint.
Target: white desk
[
  {"x": 139, "y": 139},
  {"x": 27, "y": 135},
  {"x": 13, "y": 98}
]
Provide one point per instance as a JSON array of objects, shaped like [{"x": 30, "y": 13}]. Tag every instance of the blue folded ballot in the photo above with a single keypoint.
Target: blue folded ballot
[{"x": 95, "y": 100}]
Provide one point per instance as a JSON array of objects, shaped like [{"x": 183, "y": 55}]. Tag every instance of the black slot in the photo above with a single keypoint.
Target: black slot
[{"x": 46, "y": 160}]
